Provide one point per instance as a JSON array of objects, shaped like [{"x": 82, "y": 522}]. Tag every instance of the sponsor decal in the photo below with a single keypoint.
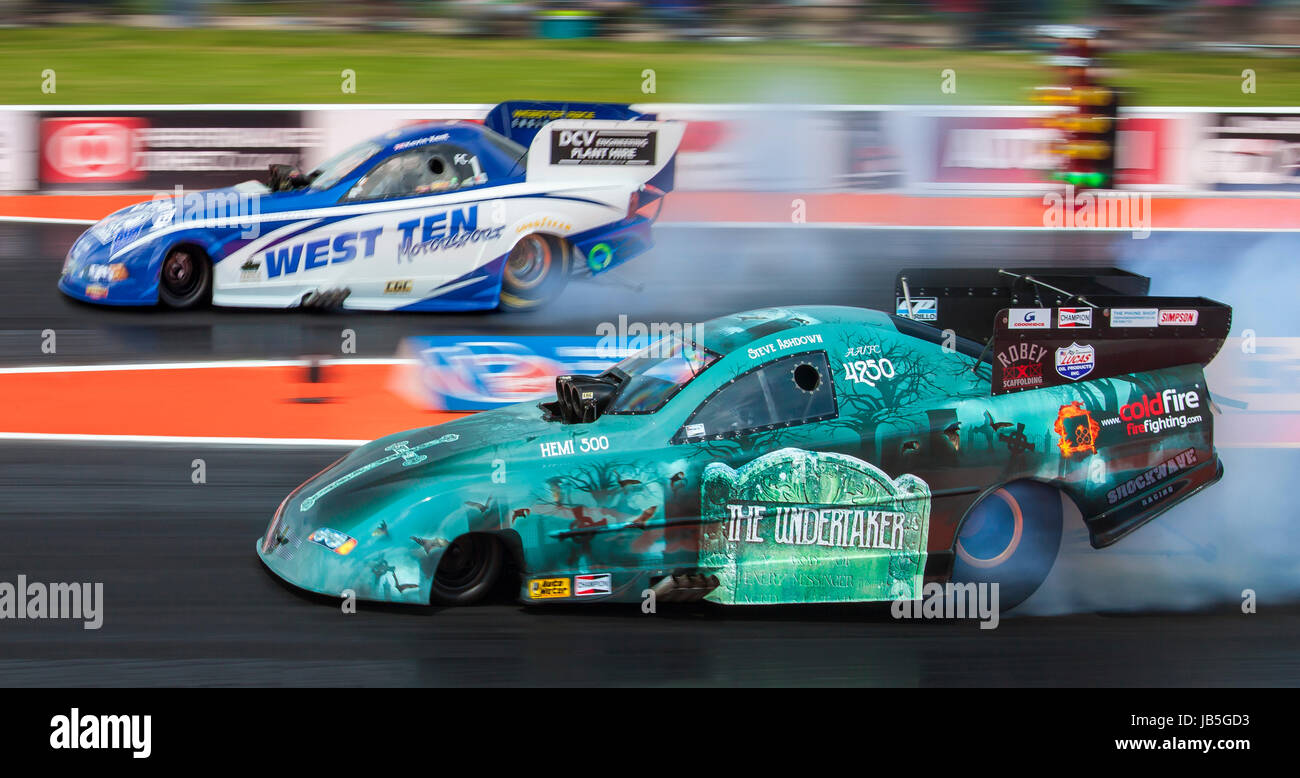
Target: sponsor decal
[
  {"x": 1133, "y": 317},
  {"x": 1022, "y": 365},
  {"x": 1178, "y": 318},
  {"x": 314, "y": 254},
  {"x": 249, "y": 271},
  {"x": 450, "y": 229},
  {"x": 339, "y": 542},
  {"x": 1076, "y": 430},
  {"x": 398, "y": 287},
  {"x": 1156, "y": 414},
  {"x": 96, "y": 291},
  {"x": 603, "y": 147},
  {"x": 923, "y": 308},
  {"x": 1074, "y": 317},
  {"x": 548, "y": 588},
  {"x": 800, "y": 526},
  {"x": 1029, "y": 319},
  {"x": 1170, "y": 467},
  {"x": 1075, "y": 361},
  {"x": 592, "y": 585}
]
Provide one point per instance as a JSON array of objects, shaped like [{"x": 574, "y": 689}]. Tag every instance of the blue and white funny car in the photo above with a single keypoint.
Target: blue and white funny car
[{"x": 441, "y": 216}]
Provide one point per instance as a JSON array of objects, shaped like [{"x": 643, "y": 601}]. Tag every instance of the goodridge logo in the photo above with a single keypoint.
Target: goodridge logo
[
  {"x": 1029, "y": 318},
  {"x": 1155, "y": 414}
]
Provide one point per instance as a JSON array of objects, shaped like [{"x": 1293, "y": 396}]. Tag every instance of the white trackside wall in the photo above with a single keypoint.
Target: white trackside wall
[{"x": 393, "y": 254}]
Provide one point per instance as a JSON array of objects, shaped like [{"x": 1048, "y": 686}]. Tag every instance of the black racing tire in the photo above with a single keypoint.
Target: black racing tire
[
  {"x": 536, "y": 271},
  {"x": 1012, "y": 538},
  {"x": 185, "y": 279},
  {"x": 468, "y": 570}
]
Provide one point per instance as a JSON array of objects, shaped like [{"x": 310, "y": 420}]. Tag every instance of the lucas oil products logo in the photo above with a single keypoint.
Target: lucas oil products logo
[{"x": 1075, "y": 361}]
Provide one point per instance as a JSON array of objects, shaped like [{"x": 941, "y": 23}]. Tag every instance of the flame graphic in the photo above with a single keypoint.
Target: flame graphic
[{"x": 1084, "y": 437}]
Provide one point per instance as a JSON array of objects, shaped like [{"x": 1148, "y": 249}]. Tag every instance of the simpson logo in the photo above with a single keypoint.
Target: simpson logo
[
  {"x": 548, "y": 588},
  {"x": 1029, "y": 319},
  {"x": 1074, "y": 317},
  {"x": 1179, "y": 318},
  {"x": 592, "y": 585},
  {"x": 603, "y": 147},
  {"x": 1075, "y": 361},
  {"x": 923, "y": 308},
  {"x": 1133, "y": 317}
]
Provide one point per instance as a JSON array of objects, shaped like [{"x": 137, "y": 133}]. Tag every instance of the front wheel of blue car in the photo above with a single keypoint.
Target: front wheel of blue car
[
  {"x": 1011, "y": 538},
  {"x": 185, "y": 279},
  {"x": 535, "y": 272},
  {"x": 467, "y": 571}
]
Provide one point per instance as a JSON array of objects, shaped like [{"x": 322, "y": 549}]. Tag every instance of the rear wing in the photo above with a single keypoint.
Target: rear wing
[
  {"x": 520, "y": 120},
  {"x": 639, "y": 154},
  {"x": 1053, "y": 327}
]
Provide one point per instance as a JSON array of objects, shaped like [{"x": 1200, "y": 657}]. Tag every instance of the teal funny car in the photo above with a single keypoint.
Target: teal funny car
[{"x": 790, "y": 455}]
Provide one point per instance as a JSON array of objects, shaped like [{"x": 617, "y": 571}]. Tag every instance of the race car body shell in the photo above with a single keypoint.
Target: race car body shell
[
  {"x": 821, "y": 454},
  {"x": 428, "y": 250}
]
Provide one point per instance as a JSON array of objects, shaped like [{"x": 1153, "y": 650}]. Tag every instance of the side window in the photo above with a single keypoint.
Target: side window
[
  {"x": 792, "y": 390},
  {"x": 437, "y": 168}
]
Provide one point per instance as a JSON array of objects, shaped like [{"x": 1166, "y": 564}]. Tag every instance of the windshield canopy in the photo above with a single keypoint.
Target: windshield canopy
[
  {"x": 334, "y": 169},
  {"x": 653, "y": 375}
]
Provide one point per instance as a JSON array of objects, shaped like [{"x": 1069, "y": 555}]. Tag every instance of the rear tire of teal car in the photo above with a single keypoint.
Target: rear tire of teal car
[
  {"x": 467, "y": 571},
  {"x": 185, "y": 279},
  {"x": 1011, "y": 537},
  {"x": 535, "y": 272}
]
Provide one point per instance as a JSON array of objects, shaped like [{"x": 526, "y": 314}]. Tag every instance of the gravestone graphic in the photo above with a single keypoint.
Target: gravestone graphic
[{"x": 800, "y": 526}]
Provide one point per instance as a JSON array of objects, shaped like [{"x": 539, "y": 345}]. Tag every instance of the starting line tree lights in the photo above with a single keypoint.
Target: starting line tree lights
[{"x": 1085, "y": 148}]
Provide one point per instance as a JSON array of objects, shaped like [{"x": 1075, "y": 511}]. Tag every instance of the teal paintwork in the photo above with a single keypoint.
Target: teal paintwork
[{"x": 631, "y": 505}]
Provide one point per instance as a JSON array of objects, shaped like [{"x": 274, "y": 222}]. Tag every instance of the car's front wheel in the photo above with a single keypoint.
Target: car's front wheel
[
  {"x": 535, "y": 273},
  {"x": 1011, "y": 538},
  {"x": 467, "y": 571},
  {"x": 186, "y": 278}
]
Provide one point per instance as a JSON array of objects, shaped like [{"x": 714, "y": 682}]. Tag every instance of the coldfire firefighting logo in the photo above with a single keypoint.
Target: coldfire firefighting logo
[{"x": 1076, "y": 429}]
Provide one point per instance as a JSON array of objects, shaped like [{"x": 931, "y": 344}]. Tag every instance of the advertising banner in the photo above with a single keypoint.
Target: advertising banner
[{"x": 160, "y": 150}]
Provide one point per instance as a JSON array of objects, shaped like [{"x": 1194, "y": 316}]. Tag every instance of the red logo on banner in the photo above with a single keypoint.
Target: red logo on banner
[{"x": 91, "y": 149}]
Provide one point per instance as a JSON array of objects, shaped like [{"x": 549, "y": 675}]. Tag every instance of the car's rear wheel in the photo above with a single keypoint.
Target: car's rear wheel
[
  {"x": 1011, "y": 537},
  {"x": 467, "y": 571},
  {"x": 185, "y": 279},
  {"x": 535, "y": 273}
]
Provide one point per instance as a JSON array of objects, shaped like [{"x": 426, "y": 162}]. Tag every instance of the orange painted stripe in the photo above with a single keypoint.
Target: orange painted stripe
[
  {"x": 352, "y": 402},
  {"x": 966, "y": 211},
  {"x": 893, "y": 210},
  {"x": 65, "y": 206}
]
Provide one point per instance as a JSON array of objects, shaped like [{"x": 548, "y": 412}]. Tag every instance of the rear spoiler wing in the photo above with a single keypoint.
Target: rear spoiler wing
[
  {"x": 520, "y": 120},
  {"x": 1051, "y": 327}
]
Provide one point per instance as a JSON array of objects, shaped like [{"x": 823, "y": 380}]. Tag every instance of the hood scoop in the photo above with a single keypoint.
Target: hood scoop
[{"x": 580, "y": 399}]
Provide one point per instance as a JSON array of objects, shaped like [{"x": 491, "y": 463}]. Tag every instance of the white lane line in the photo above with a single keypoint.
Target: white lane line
[
  {"x": 233, "y": 363},
  {"x": 204, "y": 440},
  {"x": 47, "y": 220}
]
